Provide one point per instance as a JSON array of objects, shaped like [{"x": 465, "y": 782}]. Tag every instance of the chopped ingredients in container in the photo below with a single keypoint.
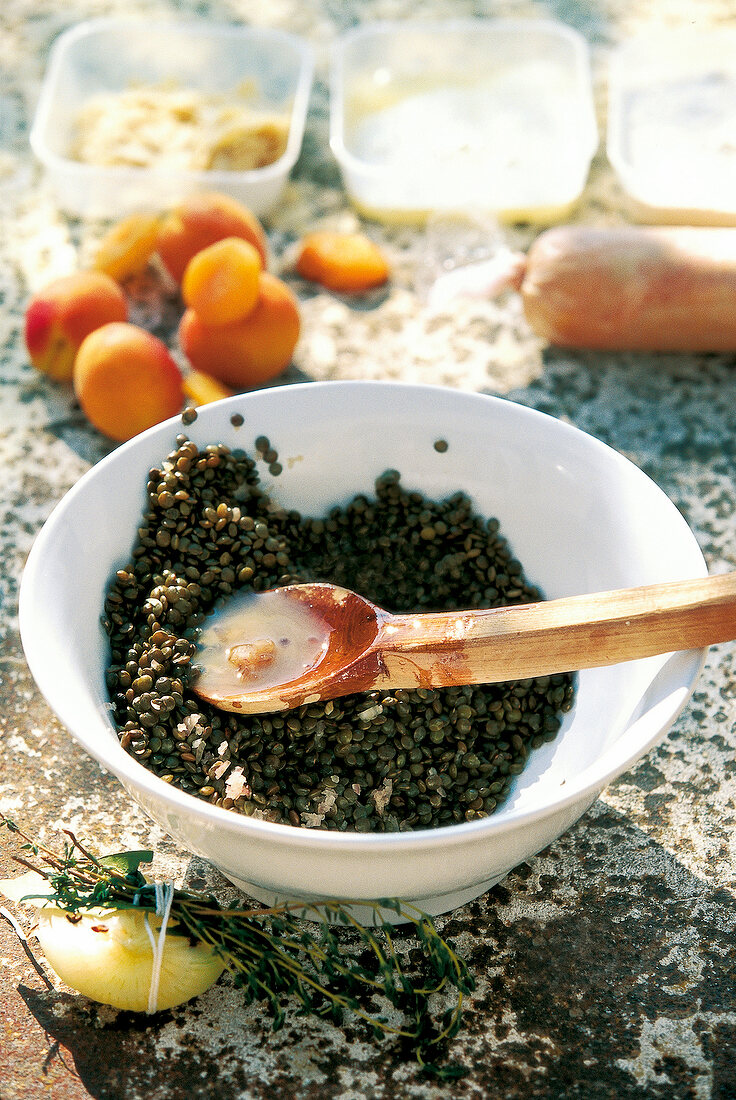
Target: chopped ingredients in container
[{"x": 178, "y": 128}]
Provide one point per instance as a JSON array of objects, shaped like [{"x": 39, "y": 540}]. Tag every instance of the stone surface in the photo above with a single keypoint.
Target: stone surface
[{"x": 606, "y": 966}]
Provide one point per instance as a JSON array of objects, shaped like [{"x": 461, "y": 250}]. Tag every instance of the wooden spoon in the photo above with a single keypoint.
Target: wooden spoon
[{"x": 358, "y": 647}]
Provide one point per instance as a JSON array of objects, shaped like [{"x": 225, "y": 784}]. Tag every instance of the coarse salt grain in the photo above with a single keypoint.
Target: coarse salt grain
[{"x": 236, "y": 784}]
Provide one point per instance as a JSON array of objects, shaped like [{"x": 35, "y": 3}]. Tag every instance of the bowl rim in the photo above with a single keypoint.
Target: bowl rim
[
  {"x": 188, "y": 27},
  {"x": 136, "y": 777}
]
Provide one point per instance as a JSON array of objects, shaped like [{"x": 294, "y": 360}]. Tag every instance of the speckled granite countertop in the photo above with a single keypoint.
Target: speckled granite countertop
[{"x": 606, "y": 966}]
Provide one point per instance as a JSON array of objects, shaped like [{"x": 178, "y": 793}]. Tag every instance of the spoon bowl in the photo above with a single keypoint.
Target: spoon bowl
[{"x": 347, "y": 625}]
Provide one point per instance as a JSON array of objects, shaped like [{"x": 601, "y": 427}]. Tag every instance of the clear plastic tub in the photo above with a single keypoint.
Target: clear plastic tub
[
  {"x": 113, "y": 55},
  {"x": 489, "y": 114},
  {"x": 672, "y": 125}
]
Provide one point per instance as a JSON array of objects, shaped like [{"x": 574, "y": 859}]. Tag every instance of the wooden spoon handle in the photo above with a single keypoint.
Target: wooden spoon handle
[{"x": 510, "y": 643}]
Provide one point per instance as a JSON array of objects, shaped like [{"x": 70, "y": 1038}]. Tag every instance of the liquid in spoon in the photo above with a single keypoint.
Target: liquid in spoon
[{"x": 267, "y": 640}]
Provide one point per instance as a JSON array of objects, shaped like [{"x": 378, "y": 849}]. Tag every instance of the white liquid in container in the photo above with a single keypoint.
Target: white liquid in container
[
  {"x": 672, "y": 125},
  {"x": 684, "y": 132},
  {"x": 508, "y": 139},
  {"x": 258, "y": 641}
]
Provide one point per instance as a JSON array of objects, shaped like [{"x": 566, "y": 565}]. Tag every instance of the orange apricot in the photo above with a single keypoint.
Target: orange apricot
[
  {"x": 221, "y": 281},
  {"x": 347, "y": 263},
  {"x": 249, "y": 352},
  {"x": 127, "y": 247},
  {"x": 63, "y": 313},
  {"x": 126, "y": 380},
  {"x": 199, "y": 221},
  {"x": 202, "y": 388}
]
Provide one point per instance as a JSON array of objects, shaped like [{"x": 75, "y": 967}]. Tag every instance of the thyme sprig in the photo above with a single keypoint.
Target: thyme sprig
[{"x": 274, "y": 955}]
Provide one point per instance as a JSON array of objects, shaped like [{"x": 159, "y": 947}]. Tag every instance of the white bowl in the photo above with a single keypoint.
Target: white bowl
[
  {"x": 112, "y": 55},
  {"x": 579, "y": 516}
]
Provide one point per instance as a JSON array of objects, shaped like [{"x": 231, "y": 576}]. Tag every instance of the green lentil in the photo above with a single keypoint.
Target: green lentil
[{"x": 375, "y": 762}]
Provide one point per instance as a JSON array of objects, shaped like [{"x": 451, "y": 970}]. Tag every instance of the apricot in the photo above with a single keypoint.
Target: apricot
[
  {"x": 221, "y": 281},
  {"x": 203, "y": 388},
  {"x": 201, "y": 220},
  {"x": 127, "y": 247},
  {"x": 347, "y": 263},
  {"x": 126, "y": 380},
  {"x": 63, "y": 313},
  {"x": 248, "y": 352}
]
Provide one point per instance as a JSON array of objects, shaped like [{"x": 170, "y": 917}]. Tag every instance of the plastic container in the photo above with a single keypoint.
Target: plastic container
[
  {"x": 672, "y": 125},
  {"x": 490, "y": 115},
  {"x": 113, "y": 55}
]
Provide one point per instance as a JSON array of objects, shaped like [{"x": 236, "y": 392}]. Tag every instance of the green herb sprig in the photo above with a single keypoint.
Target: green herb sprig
[{"x": 276, "y": 956}]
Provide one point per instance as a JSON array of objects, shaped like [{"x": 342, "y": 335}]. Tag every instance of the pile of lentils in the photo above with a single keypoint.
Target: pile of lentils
[{"x": 382, "y": 761}]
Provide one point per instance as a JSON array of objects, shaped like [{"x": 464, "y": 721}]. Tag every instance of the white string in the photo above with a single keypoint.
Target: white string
[{"x": 164, "y": 899}]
